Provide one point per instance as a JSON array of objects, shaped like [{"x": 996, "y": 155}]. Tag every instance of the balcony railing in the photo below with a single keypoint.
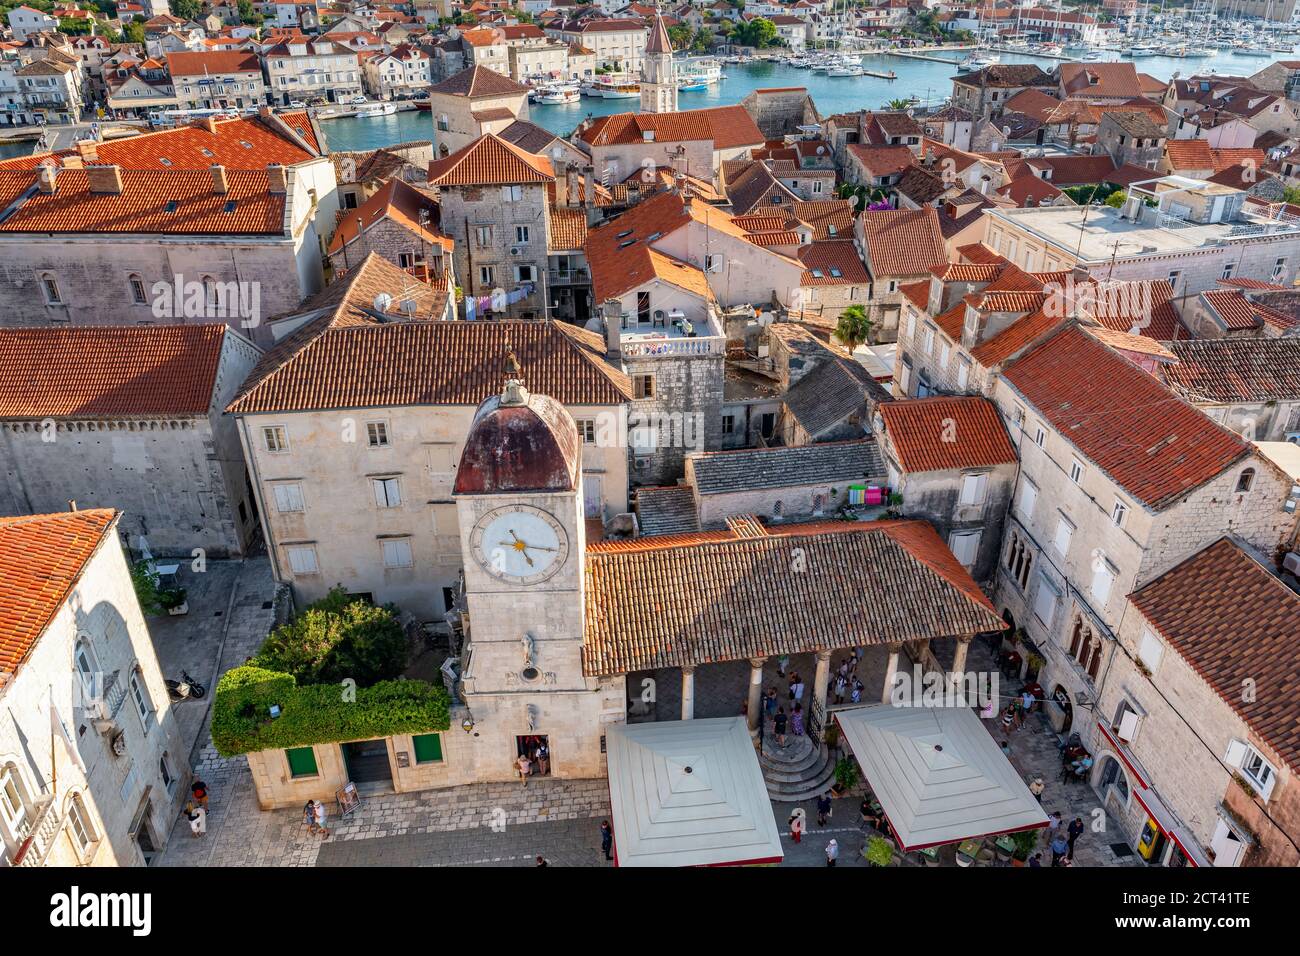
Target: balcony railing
[
  {"x": 676, "y": 347},
  {"x": 568, "y": 276},
  {"x": 40, "y": 837}
]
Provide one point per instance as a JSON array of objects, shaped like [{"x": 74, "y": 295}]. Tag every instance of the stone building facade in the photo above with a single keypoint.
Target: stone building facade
[{"x": 107, "y": 793}]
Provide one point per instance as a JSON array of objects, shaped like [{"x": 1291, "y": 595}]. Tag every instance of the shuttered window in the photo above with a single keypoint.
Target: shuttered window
[
  {"x": 302, "y": 762},
  {"x": 428, "y": 748}
]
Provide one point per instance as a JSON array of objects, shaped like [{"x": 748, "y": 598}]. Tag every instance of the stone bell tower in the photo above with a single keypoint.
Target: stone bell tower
[
  {"x": 658, "y": 76},
  {"x": 518, "y": 492}
]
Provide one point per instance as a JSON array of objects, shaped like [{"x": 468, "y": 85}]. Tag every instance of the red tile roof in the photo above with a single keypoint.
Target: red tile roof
[
  {"x": 109, "y": 371},
  {"x": 1241, "y": 314},
  {"x": 827, "y": 258},
  {"x": 490, "y": 161},
  {"x": 903, "y": 242},
  {"x": 1189, "y": 154},
  {"x": 1236, "y": 370},
  {"x": 205, "y": 63},
  {"x": 41, "y": 559},
  {"x": 882, "y": 160},
  {"x": 1235, "y": 624},
  {"x": 361, "y": 364},
  {"x": 247, "y": 208},
  {"x": 729, "y": 127},
  {"x": 1151, "y": 443},
  {"x": 942, "y": 432},
  {"x": 397, "y": 202},
  {"x": 479, "y": 81}
]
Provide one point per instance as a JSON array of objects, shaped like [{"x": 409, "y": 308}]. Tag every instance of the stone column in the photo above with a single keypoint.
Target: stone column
[
  {"x": 890, "y": 670},
  {"x": 688, "y": 692},
  {"x": 822, "y": 679},
  {"x": 955, "y": 679},
  {"x": 755, "y": 706}
]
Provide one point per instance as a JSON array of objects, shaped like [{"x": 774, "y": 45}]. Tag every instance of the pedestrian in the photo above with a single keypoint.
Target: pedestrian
[
  {"x": 541, "y": 861},
  {"x": 309, "y": 817},
  {"x": 1008, "y": 719},
  {"x": 542, "y": 757},
  {"x": 823, "y": 808},
  {"x": 199, "y": 791},
  {"x": 1036, "y": 788},
  {"x": 797, "y": 824},
  {"x": 832, "y": 852},
  {"x": 1036, "y": 860},
  {"x": 1074, "y": 830},
  {"x": 856, "y": 695},
  {"x": 1026, "y": 702},
  {"x": 1053, "y": 825},
  {"x": 796, "y": 689},
  {"x": 1060, "y": 846},
  {"x": 198, "y": 818},
  {"x": 841, "y": 686},
  {"x": 525, "y": 767},
  {"x": 321, "y": 828},
  {"x": 769, "y": 702},
  {"x": 606, "y": 839},
  {"x": 796, "y": 720},
  {"x": 1006, "y": 748},
  {"x": 779, "y": 725},
  {"x": 782, "y": 663}
]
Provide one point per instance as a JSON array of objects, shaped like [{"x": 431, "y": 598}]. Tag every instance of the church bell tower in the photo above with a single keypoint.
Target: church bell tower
[{"x": 658, "y": 77}]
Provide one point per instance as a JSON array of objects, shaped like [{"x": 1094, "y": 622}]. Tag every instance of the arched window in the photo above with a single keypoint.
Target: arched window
[
  {"x": 210, "y": 292},
  {"x": 87, "y": 669},
  {"x": 140, "y": 695},
  {"x": 80, "y": 828},
  {"x": 138, "y": 293},
  {"x": 1076, "y": 638},
  {"x": 1245, "y": 480},
  {"x": 50, "y": 288}
]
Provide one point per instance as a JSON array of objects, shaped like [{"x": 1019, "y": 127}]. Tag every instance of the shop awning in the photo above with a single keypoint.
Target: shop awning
[
  {"x": 938, "y": 774},
  {"x": 689, "y": 793}
]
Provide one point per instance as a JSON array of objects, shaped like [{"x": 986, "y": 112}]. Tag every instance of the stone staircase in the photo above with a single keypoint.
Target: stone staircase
[{"x": 797, "y": 772}]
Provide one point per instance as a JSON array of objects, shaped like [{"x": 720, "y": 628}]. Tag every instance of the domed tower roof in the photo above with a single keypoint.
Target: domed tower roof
[{"x": 519, "y": 442}]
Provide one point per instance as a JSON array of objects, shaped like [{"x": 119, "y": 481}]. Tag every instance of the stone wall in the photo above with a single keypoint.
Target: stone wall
[
  {"x": 111, "y": 789},
  {"x": 466, "y": 209}
]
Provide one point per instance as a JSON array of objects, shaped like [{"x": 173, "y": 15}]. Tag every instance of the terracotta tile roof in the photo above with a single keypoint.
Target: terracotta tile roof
[
  {"x": 951, "y": 322},
  {"x": 977, "y": 252},
  {"x": 882, "y": 160},
  {"x": 1143, "y": 307},
  {"x": 169, "y": 202},
  {"x": 1029, "y": 190},
  {"x": 246, "y": 143},
  {"x": 1234, "y": 623},
  {"x": 204, "y": 63},
  {"x": 728, "y": 127},
  {"x": 490, "y": 161},
  {"x": 829, "y": 218},
  {"x": 1189, "y": 154},
  {"x": 1079, "y": 170},
  {"x": 1149, "y": 442},
  {"x": 300, "y": 122},
  {"x": 568, "y": 228},
  {"x": 478, "y": 81},
  {"x": 1128, "y": 342},
  {"x": 902, "y": 242},
  {"x": 918, "y": 293},
  {"x": 696, "y": 598},
  {"x": 1238, "y": 312},
  {"x": 822, "y": 260},
  {"x": 41, "y": 559},
  {"x": 355, "y": 363},
  {"x": 109, "y": 371},
  {"x": 919, "y": 430},
  {"x": 783, "y": 466},
  {"x": 1100, "y": 79},
  {"x": 1034, "y": 103},
  {"x": 967, "y": 271},
  {"x": 1009, "y": 74},
  {"x": 1236, "y": 370},
  {"x": 398, "y": 202}
]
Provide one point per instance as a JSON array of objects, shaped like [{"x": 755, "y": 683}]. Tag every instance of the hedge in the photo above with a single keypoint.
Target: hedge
[{"x": 318, "y": 713}]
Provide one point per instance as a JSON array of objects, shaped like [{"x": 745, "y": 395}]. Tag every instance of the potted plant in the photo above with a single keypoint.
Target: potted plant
[
  {"x": 145, "y": 580},
  {"x": 846, "y": 775},
  {"x": 173, "y": 600},
  {"x": 1025, "y": 841},
  {"x": 878, "y": 852}
]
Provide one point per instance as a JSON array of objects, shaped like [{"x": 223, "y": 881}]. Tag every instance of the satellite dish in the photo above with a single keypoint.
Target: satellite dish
[
  {"x": 409, "y": 306},
  {"x": 383, "y": 301},
  {"x": 821, "y": 150}
]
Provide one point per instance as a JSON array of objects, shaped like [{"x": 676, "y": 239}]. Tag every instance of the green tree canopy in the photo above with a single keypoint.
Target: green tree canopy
[
  {"x": 854, "y": 327},
  {"x": 756, "y": 33},
  {"x": 186, "y": 9},
  {"x": 680, "y": 36}
]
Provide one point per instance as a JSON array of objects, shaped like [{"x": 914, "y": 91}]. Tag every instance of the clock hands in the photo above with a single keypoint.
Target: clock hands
[{"x": 522, "y": 548}]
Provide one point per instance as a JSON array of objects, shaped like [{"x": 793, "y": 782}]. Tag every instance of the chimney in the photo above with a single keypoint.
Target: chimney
[
  {"x": 219, "y": 182},
  {"x": 687, "y": 196},
  {"x": 571, "y": 185},
  {"x": 588, "y": 186},
  {"x": 611, "y": 310},
  {"x": 46, "y": 175},
  {"x": 104, "y": 179},
  {"x": 88, "y": 150},
  {"x": 208, "y": 123},
  {"x": 276, "y": 178},
  {"x": 72, "y": 504}
]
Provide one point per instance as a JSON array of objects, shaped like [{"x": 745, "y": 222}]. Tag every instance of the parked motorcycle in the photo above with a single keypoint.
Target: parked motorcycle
[{"x": 185, "y": 688}]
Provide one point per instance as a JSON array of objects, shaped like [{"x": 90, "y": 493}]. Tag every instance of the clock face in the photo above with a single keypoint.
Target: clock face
[{"x": 520, "y": 544}]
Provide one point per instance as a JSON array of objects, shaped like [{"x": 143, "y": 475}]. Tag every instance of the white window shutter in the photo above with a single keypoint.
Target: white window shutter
[
  {"x": 1028, "y": 495},
  {"x": 380, "y": 498},
  {"x": 1236, "y": 754},
  {"x": 1128, "y": 726}
]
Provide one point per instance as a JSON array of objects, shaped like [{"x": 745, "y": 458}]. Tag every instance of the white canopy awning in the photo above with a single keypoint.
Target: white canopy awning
[
  {"x": 938, "y": 774},
  {"x": 689, "y": 793}
]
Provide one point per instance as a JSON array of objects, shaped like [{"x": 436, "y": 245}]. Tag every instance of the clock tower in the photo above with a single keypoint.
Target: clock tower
[
  {"x": 518, "y": 492},
  {"x": 658, "y": 77}
]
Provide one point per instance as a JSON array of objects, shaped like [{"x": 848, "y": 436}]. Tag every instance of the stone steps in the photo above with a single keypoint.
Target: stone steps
[{"x": 798, "y": 772}]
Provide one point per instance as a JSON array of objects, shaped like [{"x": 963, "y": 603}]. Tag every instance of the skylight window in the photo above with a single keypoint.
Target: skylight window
[
  {"x": 207, "y": 152},
  {"x": 627, "y": 242},
  {"x": 817, "y": 274},
  {"x": 171, "y": 206},
  {"x": 165, "y": 161},
  {"x": 230, "y": 205},
  {"x": 246, "y": 144},
  {"x": 625, "y": 233},
  {"x": 836, "y": 272}
]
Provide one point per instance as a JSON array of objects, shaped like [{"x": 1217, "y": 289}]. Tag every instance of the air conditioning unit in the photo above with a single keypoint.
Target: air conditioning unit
[
  {"x": 1292, "y": 563},
  {"x": 1293, "y": 437},
  {"x": 516, "y": 250}
]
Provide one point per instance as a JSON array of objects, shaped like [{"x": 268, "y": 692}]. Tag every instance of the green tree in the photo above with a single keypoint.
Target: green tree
[
  {"x": 249, "y": 16},
  {"x": 680, "y": 36},
  {"x": 897, "y": 106},
  {"x": 186, "y": 9},
  {"x": 74, "y": 27},
  {"x": 756, "y": 33},
  {"x": 133, "y": 32},
  {"x": 703, "y": 41},
  {"x": 854, "y": 327},
  {"x": 338, "y": 637},
  {"x": 1291, "y": 194},
  {"x": 1116, "y": 199}
]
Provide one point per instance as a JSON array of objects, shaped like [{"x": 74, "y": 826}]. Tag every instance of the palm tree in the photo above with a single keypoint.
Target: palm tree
[
  {"x": 897, "y": 106},
  {"x": 854, "y": 327}
]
